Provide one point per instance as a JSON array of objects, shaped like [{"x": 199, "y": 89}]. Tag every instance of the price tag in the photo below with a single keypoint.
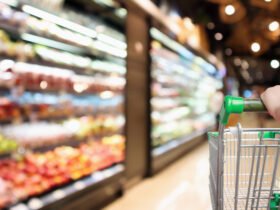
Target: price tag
[
  {"x": 19, "y": 206},
  {"x": 108, "y": 173},
  {"x": 58, "y": 194},
  {"x": 97, "y": 176},
  {"x": 79, "y": 185},
  {"x": 35, "y": 203},
  {"x": 119, "y": 168}
]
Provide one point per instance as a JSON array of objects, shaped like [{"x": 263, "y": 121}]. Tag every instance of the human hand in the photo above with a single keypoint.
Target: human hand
[{"x": 271, "y": 99}]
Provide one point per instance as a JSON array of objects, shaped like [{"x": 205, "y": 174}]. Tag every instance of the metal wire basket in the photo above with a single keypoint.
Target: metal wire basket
[{"x": 244, "y": 163}]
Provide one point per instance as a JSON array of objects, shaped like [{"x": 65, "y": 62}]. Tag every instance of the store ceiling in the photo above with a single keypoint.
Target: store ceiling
[{"x": 249, "y": 24}]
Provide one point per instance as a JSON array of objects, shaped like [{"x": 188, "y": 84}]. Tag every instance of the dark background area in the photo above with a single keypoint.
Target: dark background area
[{"x": 256, "y": 69}]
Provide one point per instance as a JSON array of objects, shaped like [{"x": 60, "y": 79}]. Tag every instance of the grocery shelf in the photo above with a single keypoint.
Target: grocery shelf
[
  {"x": 71, "y": 71},
  {"x": 56, "y": 44},
  {"x": 47, "y": 108},
  {"x": 86, "y": 193},
  {"x": 12, "y": 3},
  {"x": 53, "y": 44},
  {"x": 72, "y": 26},
  {"x": 16, "y": 33},
  {"x": 5, "y": 155},
  {"x": 117, "y": 16},
  {"x": 173, "y": 114},
  {"x": 42, "y": 62},
  {"x": 171, "y": 151},
  {"x": 176, "y": 143},
  {"x": 55, "y": 80},
  {"x": 65, "y": 23},
  {"x": 171, "y": 44},
  {"x": 57, "y": 118},
  {"x": 98, "y": 68},
  {"x": 73, "y": 142},
  {"x": 179, "y": 77},
  {"x": 31, "y": 10},
  {"x": 70, "y": 142}
]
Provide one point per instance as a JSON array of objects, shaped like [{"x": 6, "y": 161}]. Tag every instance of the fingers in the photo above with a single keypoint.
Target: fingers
[
  {"x": 271, "y": 99},
  {"x": 277, "y": 115}
]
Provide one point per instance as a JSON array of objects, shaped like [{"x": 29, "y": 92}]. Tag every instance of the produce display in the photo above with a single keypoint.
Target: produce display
[
  {"x": 41, "y": 106},
  {"x": 63, "y": 32},
  {"x": 39, "y": 134},
  {"x": 35, "y": 53},
  {"x": 38, "y": 77},
  {"x": 181, "y": 89},
  {"x": 61, "y": 99},
  {"x": 37, "y": 173},
  {"x": 7, "y": 145}
]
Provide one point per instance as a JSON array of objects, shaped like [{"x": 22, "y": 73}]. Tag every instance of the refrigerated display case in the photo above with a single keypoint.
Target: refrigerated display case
[
  {"x": 62, "y": 143},
  {"x": 182, "y": 84}
]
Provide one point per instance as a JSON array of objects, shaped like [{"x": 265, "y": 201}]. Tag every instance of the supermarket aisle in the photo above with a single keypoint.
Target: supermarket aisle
[{"x": 182, "y": 186}]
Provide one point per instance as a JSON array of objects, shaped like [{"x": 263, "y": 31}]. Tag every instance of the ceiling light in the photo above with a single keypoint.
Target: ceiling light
[
  {"x": 274, "y": 64},
  {"x": 229, "y": 9},
  {"x": 255, "y": 47},
  {"x": 273, "y": 26},
  {"x": 218, "y": 36},
  {"x": 267, "y": 0}
]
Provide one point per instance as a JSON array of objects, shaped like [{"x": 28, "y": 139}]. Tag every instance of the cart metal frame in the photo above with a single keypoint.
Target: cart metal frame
[{"x": 244, "y": 163}]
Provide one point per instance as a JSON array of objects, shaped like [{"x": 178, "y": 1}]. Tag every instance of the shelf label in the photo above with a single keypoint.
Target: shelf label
[
  {"x": 79, "y": 185},
  {"x": 19, "y": 206},
  {"x": 58, "y": 194},
  {"x": 35, "y": 203},
  {"x": 97, "y": 176},
  {"x": 108, "y": 173}
]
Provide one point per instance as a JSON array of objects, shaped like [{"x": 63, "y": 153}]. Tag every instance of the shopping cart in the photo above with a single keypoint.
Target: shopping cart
[{"x": 244, "y": 163}]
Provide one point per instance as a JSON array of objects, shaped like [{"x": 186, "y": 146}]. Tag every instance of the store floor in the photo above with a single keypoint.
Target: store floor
[{"x": 182, "y": 186}]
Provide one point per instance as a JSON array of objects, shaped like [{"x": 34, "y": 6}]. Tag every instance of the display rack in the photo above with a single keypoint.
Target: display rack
[
  {"x": 79, "y": 194},
  {"x": 62, "y": 143},
  {"x": 182, "y": 84}
]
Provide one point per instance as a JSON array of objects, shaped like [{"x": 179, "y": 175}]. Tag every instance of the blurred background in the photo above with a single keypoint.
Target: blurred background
[{"x": 106, "y": 104}]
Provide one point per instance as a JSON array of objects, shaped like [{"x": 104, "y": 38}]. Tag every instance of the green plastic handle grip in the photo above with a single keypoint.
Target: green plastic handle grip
[{"x": 238, "y": 105}]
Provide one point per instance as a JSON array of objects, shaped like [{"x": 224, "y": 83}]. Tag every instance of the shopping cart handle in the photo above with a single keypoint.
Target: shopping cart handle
[{"x": 238, "y": 105}]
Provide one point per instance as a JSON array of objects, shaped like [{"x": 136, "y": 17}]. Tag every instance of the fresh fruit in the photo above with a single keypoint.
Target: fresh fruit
[
  {"x": 7, "y": 145},
  {"x": 39, "y": 172}
]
